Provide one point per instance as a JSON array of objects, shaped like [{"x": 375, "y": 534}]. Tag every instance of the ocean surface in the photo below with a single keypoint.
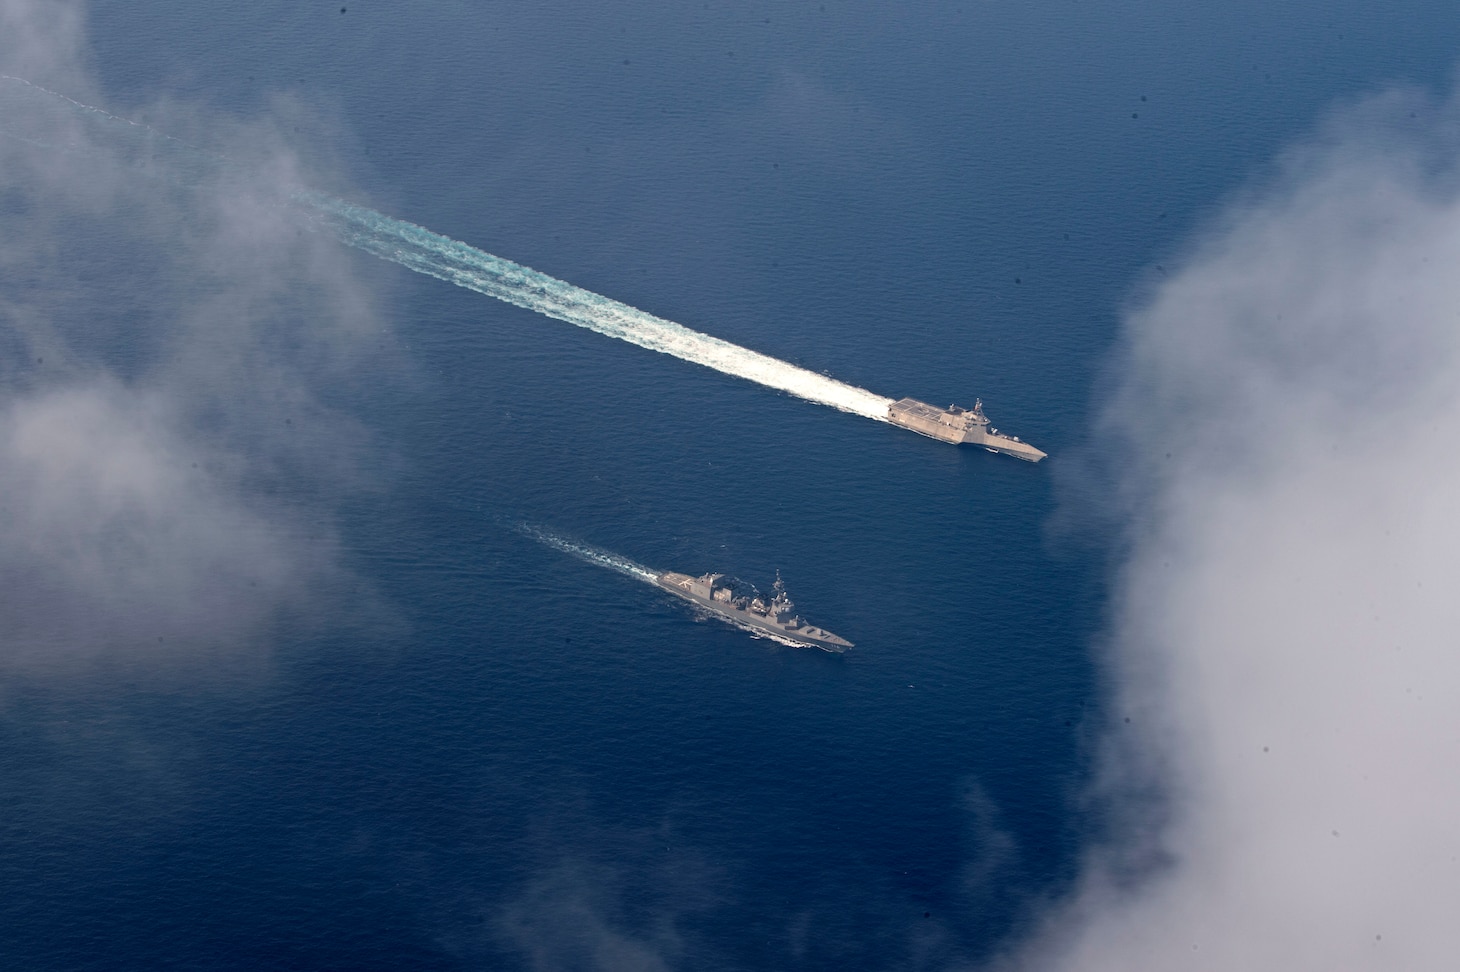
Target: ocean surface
[{"x": 519, "y": 759}]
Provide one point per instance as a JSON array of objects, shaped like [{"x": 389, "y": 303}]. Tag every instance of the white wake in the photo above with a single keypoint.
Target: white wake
[
  {"x": 466, "y": 266},
  {"x": 29, "y": 114},
  {"x": 590, "y": 554}
]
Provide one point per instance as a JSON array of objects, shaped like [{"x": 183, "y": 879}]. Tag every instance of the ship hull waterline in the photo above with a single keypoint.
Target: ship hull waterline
[
  {"x": 959, "y": 426},
  {"x": 1027, "y": 454}
]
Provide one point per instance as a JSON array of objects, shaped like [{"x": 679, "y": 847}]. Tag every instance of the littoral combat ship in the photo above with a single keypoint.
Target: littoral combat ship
[
  {"x": 954, "y": 424},
  {"x": 727, "y": 598}
]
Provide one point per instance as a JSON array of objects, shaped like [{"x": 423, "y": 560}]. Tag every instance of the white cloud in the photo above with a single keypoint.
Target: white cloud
[
  {"x": 1286, "y": 646},
  {"x": 167, "y": 467},
  {"x": 117, "y": 532},
  {"x": 42, "y": 40}
]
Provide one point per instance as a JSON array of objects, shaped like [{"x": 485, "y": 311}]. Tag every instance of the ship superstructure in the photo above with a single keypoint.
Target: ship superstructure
[
  {"x": 744, "y": 606},
  {"x": 957, "y": 425}
]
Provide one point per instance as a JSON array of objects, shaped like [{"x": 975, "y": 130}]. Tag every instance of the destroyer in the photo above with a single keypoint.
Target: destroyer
[
  {"x": 954, "y": 424},
  {"x": 748, "y": 609}
]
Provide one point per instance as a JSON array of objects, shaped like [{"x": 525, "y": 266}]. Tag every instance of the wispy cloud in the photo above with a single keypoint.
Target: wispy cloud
[
  {"x": 1281, "y": 768},
  {"x": 591, "y": 896},
  {"x": 573, "y": 917},
  {"x": 165, "y": 456},
  {"x": 43, "y": 40}
]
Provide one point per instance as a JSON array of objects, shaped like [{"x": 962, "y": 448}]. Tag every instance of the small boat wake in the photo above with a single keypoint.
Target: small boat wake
[
  {"x": 619, "y": 564},
  {"x": 590, "y": 554}
]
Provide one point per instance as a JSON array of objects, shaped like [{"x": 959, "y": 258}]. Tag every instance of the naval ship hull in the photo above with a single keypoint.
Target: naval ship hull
[
  {"x": 958, "y": 426},
  {"x": 806, "y": 635}
]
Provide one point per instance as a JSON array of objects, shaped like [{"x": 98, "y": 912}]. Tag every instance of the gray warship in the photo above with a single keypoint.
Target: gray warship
[
  {"x": 747, "y": 608},
  {"x": 956, "y": 425}
]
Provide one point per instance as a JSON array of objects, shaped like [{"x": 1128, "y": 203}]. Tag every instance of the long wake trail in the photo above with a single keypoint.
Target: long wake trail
[
  {"x": 466, "y": 266},
  {"x": 453, "y": 261}
]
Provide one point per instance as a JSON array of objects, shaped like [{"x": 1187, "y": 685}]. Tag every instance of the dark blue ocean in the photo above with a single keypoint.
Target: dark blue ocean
[{"x": 518, "y": 760}]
